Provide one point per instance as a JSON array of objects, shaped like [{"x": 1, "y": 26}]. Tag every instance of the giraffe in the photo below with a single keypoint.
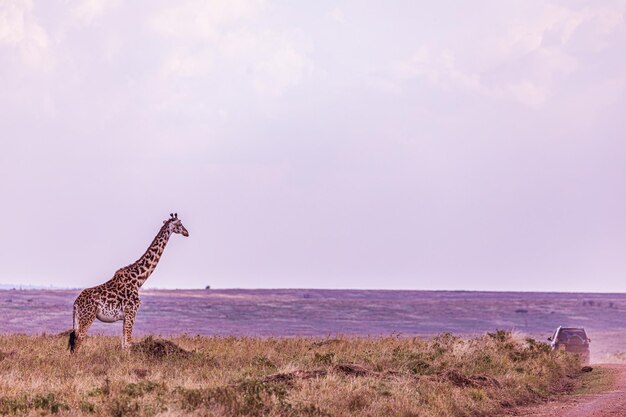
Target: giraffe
[{"x": 118, "y": 298}]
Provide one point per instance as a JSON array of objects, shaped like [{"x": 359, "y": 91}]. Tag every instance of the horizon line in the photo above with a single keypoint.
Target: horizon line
[{"x": 30, "y": 287}]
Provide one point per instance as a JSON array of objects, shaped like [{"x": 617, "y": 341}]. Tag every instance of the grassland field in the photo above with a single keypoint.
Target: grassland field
[
  {"x": 445, "y": 375},
  {"x": 302, "y": 353}
]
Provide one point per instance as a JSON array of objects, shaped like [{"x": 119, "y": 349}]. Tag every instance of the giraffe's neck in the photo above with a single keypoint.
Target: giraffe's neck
[{"x": 145, "y": 265}]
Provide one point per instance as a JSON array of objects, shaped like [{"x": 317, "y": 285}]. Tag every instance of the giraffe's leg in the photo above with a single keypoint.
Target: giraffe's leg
[
  {"x": 86, "y": 318},
  {"x": 127, "y": 331}
]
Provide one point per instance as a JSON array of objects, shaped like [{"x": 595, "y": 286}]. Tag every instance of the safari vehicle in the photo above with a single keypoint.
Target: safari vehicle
[{"x": 571, "y": 339}]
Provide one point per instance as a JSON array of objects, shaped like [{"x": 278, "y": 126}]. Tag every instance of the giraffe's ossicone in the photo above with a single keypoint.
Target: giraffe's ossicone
[{"x": 118, "y": 298}]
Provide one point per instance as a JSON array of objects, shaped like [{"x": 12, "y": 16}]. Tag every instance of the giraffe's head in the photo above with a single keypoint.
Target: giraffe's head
[{"x": 175, "y": 225}]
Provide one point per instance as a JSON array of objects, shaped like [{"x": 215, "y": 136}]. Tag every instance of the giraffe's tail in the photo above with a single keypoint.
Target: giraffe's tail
[{"x": 71, "y": 344}]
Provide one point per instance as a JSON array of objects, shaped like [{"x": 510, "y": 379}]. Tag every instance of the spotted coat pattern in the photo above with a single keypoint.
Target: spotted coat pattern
[{"x": 118, "y": 298}]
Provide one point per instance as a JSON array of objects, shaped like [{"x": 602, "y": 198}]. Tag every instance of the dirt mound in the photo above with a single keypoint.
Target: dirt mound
[
  {"x": 324, "y": 342},
  {"x": 159, "y": 348},
  {"x": 4, "y": 355},
  {"x": 288, "y": 377},
  {"x": 344, "y": 368},
  {"x": 460, "y": 380},
  {"x": 351, "y": 369},
  {"x": 141, "y": 373}
]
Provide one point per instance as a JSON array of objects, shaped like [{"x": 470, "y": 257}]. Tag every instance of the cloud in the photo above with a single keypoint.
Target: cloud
[
  {"x": 20, "y": 32},
  {"x": 233, "y": 32},
  {"x": 184, "y": 64},
  {"x": 285, "y": 67},
  {"x": 439, "y": 69},
  {"x": 16, "y": 25},
  {"x": 86, "y": 11},
  {"x": 557, "y": 26},
  {"x": 203, "y": 20},
  {"x": 337, "y": 15},
  {"x": 523, "y": 65}
]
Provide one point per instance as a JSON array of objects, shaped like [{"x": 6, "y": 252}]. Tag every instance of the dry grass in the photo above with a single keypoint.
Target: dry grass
[
  {"x": 244, "y": 376},
  {"x": 598, "y": 381}
]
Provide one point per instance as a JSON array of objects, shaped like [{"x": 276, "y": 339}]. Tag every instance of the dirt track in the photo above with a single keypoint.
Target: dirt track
[{"x": 606, "y": 404}]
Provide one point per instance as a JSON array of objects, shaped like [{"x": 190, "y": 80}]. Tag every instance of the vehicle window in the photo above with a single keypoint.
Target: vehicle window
[{"x": 574, "y": 335}]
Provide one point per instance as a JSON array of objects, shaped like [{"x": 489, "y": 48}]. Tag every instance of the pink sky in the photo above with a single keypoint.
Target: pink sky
[{"x": 333, "y": 144}]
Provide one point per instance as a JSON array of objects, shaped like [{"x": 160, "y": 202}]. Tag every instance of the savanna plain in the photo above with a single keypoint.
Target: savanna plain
[{"x": 301, "y": 353}]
